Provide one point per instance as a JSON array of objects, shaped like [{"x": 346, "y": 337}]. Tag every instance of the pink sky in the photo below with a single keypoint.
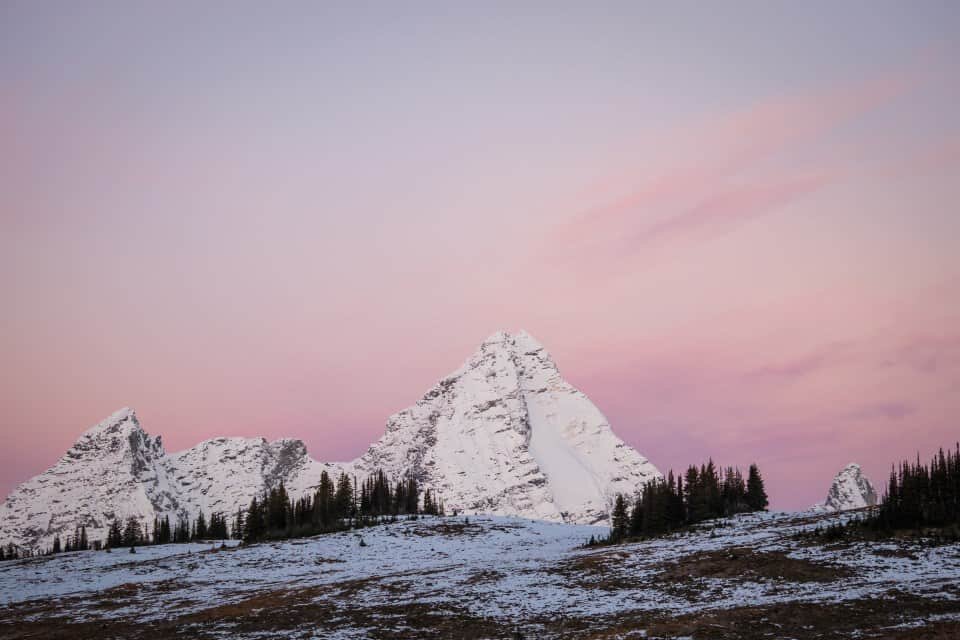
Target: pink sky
[{"x": 737, "y": 234}]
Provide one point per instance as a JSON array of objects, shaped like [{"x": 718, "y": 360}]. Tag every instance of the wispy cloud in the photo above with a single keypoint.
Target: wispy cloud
[
  {"x": 724, "y": 175},
  {"x": 827, "y": 356},
  {"x": 726, "y": 208},
  {"x": 926, "y": 354},
  {"x": 880, "y": 410}
]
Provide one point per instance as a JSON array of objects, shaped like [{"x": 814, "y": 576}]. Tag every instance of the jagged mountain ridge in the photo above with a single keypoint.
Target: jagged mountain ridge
[
  {"x": 850, "y": 489},
  {"x": 505, "y": 434}
]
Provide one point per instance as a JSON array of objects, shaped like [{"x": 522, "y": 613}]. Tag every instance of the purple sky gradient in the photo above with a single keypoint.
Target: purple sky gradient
[{"x": 734, "y": 228}]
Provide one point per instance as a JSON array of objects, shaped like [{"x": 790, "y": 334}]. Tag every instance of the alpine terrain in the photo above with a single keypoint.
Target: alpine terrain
[{"x": 504, "y": 434}]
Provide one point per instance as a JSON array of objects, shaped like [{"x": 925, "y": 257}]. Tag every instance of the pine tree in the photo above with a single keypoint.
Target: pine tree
[
  {"x": 428, "y": 506},
  {"x": 181, "y": 532},
  {"x": 254, "y": 528},
  {"x": 324, "y": 503},
  {"x": 200, "y": 527},
  {"x": 412, "y": 496},
  {"x": 114, "y": 534},
  {"x": 343, "y": 499},
  {"x": 756, "y": 495},
  {"x": 84, "y": 543},
  {"x": 56, "y": 544},
  {"x": 165, "y": 536},
  {"x": 131, "y": 533},
  {"x": 238, "y": 524},
  {"x": 619, "y": 521}
]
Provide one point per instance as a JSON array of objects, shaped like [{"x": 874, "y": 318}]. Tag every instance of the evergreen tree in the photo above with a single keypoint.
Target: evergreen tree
[
  {"x": 636, "y": 517},
  {"x": 217, "y": 529},
  {"x": 428, "y": 506},
  {"x": 756, "y": 497},
  {"x": 56, "y": 544},
  {"x": 619, "y": 521},
  {"x": 343, "y": 499},
  {"x": 114, "y": 534},
  {"x": 278, "y": 507},
  {"x": 412, "y": 495},
  {"x": 181, "y": 533},
  {"x": 84, "y": 543},
  {"x": 165, "y": 537},
  {"x": 254, "y": 526},
  {"x": 238, "y": 524},
  {"x": 324, "y": 503},
  {"x": 131, "y": 533},
  {"x": 200, "y": 527}
]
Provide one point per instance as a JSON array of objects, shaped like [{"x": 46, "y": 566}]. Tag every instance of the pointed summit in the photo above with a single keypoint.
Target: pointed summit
[
  {"x": 850, "y": 490},
  {"x": 120, "y": 419}
]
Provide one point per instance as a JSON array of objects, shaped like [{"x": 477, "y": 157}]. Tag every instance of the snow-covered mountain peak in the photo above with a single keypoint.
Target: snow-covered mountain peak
[
  {"x": 117, "y": 437},
  {"x": 850, "y": 489},
  {"x": 506, "y": 434}
]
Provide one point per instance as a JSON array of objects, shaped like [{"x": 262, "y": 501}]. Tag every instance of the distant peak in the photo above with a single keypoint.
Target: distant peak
[
  {"x": 528, "y": 342},
  {"x": 850, "y": 490},
  {"x": 118, "y": 419},
  {"x": 497, "y": 337},
  {"x": 123, "y": 413},
  {"x": 521, "y": 338}
]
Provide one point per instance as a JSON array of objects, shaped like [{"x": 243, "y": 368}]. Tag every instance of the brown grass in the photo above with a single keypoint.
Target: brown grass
[{"x": 748, "y": 564}]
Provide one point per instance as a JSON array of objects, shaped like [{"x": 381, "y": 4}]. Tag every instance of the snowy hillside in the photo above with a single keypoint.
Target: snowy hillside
[
  {"x": 505, "y": 434},
  {"x": 850, "y": 490},
  {"x": 749, "y": 577}
]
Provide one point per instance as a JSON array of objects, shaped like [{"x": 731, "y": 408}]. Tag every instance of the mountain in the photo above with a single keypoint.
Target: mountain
[
  {"x": 114, "y": 470},
  {"x": 504, "y": 434},
  {"x": 850, "y": 490}
]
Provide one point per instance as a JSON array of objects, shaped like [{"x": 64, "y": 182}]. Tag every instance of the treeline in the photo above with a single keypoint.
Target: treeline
[
  {"x": 11, "y": 552},
  {"x": 183, "y": 531},
  {"x": 334, "y": 506},
  {"x": 668, "y": 504},
  {"x": 132, "y": 534},
  {"x": 921, "y": 495},
  {"x": 77, "y": 542}
]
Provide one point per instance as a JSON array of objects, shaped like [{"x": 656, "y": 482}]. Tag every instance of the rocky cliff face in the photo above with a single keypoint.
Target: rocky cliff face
[
  {"x": 850, "y": 490},
  {"x": 504, "y": 434}
]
